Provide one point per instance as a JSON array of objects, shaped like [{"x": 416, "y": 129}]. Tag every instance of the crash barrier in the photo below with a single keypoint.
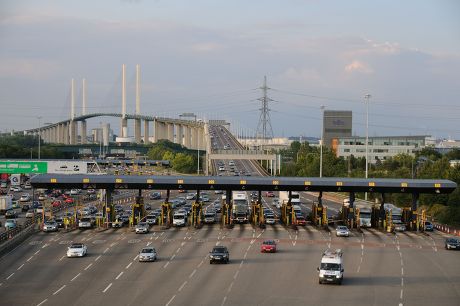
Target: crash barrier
[
  {"x": 447, "y": 229},
  {"x": 21, "y": 235},
  {"x": 11, "y": 233}
]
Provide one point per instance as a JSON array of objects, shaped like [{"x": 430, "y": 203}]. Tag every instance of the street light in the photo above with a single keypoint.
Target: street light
[
  {"x": 39, "y": 134},
  {"x": 366, "y": 100},
  {"x": 321, "y": 145}
]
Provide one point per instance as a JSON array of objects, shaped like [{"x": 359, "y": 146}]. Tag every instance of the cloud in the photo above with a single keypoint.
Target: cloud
[
  {"x": 358, "y": 66},
  {"x": 206, "y": 47}
]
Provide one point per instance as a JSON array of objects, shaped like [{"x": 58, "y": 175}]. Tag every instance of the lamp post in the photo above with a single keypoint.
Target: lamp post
[
  {"x": 366, "y": 100},
  {"x": 39, "y": 134},
  {"x": 321, "y": 145}
]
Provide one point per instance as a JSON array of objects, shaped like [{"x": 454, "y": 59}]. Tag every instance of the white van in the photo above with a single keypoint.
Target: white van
[
  {"x": 331, "y": 269},
  {"x": 179, "y": 219}
]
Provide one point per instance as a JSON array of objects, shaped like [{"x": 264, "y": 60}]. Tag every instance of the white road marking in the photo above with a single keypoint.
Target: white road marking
[
  {"x": 42, "y": 302},
  {"x": 183, "y": 243},
  {"x": 10, "y": 276},
  {"x": 241, "y": 264},
  {"x": 45, "y": 245},
  {"x": 75, "y": 277},
  {"x": 177, "y": 251},
  {"x": 229, "y": 288},
  {"x": 182, "y": 286},
  {"x": 129, "y": 265},
  {"x": 249, "y": 247},
  {"x": 402, "y": 282},
  {"x": 97, "y": 258},
  {"x": 87, "y": 267},
  {"x": 20, "y": 267},
  {"x": 57, "y": 291},
  {"x": 149, "y": 243},
  {"x": 223, "y": 301},
  {"x": 401, "y": 294},
  {"x": 167, "y": 304},
  {"x": 107, "y": 288},
  {"x": 30, "y": 258},
  {"x": 172, "y": 257},
  {"x": 118, "y": 276},
  {"x": 236, "y": 274},
  {"x": 61, "y": 258},
  {"x": 191, "y": 274},
  {"x": 37, "y": 252},
  {"x": 402, "y": 271},
  {"x": 166, "y": 264},
  {"x": 245, "y": 255},
  {"x": 199, "y": 265},
  {"x": 137, "y": 256},
  {"x": 105, "y": 251}
]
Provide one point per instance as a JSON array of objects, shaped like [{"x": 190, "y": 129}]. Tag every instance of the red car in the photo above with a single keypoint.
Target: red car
[
  {"x": 268, "y": 246},
  {"x": 270, "y": 194},
  {"x": 56, "y": 203},
  {"x": 301, "y": 221},
  {"x": 69, "y": 200}
]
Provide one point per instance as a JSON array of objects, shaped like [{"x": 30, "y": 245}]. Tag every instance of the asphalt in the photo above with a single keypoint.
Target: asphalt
[{"x": 380, "y": 268}]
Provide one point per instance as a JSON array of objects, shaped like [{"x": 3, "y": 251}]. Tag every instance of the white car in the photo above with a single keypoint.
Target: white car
[
  {"x": 85, "y": 223},
  {"x": 147, "y": 254},
  {"x": 77, "y": 250},
  {"x": 142, "y": 228},
  {"x": 25, "y": 197},
  {"x": 221, "y": 168},
  {"x": 15, "y": 189},
  {"x": 342, "y": 231}
]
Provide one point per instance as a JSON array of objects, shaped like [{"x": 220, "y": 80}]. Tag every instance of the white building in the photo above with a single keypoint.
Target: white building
[{"x": 379, "y": 148}]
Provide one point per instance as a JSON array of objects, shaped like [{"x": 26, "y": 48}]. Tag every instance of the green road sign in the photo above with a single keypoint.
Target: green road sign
[{"x": 13, "y": 167}]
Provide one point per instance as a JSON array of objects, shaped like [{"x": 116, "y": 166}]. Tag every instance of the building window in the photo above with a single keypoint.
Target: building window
[{"x": 346, "y": 150}]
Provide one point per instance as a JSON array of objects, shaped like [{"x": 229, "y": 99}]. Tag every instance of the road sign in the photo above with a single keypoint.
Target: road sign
[
  {"x": 18, "y": 167},
  {"x": 68, "y": 167}
]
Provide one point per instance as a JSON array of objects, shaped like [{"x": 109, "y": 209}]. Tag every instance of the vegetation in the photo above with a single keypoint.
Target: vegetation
[
  {"x": 304, "y": 160},
  {"x": 182, "y": 159},
  {"x": 26, "y": 147}
]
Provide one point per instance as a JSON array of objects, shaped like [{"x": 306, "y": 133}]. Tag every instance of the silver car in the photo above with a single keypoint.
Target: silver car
[
  {"x": 342, "y": 231},
  {"x": 50, "y": 226},
  {"x": 147, "y": 254},
  {"x": 142, "y": 228}
]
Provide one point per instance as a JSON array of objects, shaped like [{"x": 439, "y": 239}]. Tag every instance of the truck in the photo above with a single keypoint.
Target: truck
[
  {"x": 6, "y": 203},
  {"x": 240, "y": 207},
  {"x": 396, "y": 217},
  {"x": 365, "y": 214},
  {"x": 284, "y": 197},
  {"x": 331, "y": 268}
]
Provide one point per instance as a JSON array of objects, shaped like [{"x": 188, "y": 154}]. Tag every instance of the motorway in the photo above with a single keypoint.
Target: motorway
[{"x": 380, "y": 268}]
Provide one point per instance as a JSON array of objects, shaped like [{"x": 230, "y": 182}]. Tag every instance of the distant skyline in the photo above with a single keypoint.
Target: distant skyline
[{"x": 210, "y": 57}]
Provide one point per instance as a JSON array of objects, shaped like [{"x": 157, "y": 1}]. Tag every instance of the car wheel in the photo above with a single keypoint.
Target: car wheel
[
  {"x": 210, "y": 262},
  {"x": 320, "y": 282}
]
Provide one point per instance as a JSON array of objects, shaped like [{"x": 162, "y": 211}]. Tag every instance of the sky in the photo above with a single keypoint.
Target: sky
[{"x": 210, "y": 58}]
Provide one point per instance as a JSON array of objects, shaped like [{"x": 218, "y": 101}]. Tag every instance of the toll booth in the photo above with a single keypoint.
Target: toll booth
[
  {"x": 375, "y": 216},
  {"x": 318, "y": 214},
  {"x": 388, "y": 224},
  {"x": 409, "y": 218},
  {"x": 227, "y": 209},
  {"x": 196, "y": 216},
  {"x": 421, "y": 219},
  {"x": 166, "y": 214},
  {"x": 287, "y": 214},
  {"x": 138, "y": 210}
]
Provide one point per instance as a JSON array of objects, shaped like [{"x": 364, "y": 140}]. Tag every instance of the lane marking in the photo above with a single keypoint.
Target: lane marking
[
  {"x": 241, "y": 264},
  {"x": 45, "y": 245},
  {"x": 61, "y": 258},
  {"x": 167, "y": 304},
  {"x": 166, "y": 264},
  {"x": 97, "y": 258},
  {"x": 30, "y": 258},
  {"x": 20, "y": 267},
  {"x": 137, "y": 256},
  {"x": 75, "y": 277},
  {"x": 245, "y": 255},
  {"x": 402, "y": 271},
  {"x": 199, "y": 265},
  {"x": 401, "y": 294},
  {"x": 105, "y": 251},
  {"x": 172, "y": 257},
  {"x": 149, "y": 243},
  {"x": 107, "y": 288},
  {"x": 37, "y": 252},
  {"x": 129, "y": 265},
  {"x": 42, "y": 302},
  {"x": 229, "y": 288},
  {"x": 177, "y": 251},
  {"x": 57, "y": 291},
  {"x": 183, "y": 243},
  {"x": 191, "y": 274},
  {"x": 10, "y": 276},
  {"x": 87, "y": 267},
  {"x": 121, "y": 273},
  {"x": 182, "y": 286},
  {"x": 236, "y": 274}
]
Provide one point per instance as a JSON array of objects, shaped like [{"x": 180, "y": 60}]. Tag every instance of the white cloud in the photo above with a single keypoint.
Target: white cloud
[
  {"x": 358, "y": 66},
  {"x": 35, "y": 69},
  {"x": 206, "y": 47}
]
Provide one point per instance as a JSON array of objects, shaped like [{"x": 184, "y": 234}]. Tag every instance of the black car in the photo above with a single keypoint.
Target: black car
[
  {"x": 155, "y": 196},
  {"x": 11, "y": 214},
  {"x": 25, "y": 207},
  {"x": 220, "y": 254},
  {"x": 452, "y": 244},
  {"x": 59, "y": 221}
]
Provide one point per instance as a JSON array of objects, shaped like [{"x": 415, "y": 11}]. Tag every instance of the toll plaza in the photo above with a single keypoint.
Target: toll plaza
[{"x": 350, "y": 215}]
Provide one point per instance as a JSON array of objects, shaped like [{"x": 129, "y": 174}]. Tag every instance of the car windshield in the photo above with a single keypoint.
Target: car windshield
[
  {"x": 219, "y": 250},
  {"x": 269, "y": 242},
  {"x": 342, "y": 228},
  {"x": 330, "y": 266},
  {"x": 452, "y": 240},
  {"x": 147, "y": 250},
  {"x": 76, "y": 246}
]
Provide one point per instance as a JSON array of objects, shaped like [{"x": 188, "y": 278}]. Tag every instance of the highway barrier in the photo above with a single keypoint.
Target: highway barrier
[
  {"x": 447, "y": 229},
  {"x": 21, "y": 233}
]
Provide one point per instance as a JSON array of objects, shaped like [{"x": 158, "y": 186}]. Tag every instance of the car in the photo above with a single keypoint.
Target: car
[
  {"x": 15, "y": 204},
  {"x": 147, "y": 254},
  {"x": 204, "y": 198},
  {"x": 399, "y": 226},
  {"x": 452, "y": 243},
  {"x": 15, "y": 189},
  {"x": 428, "y": 226},
  {"x": 155, "y": 196},
  {"x": 220, "y": 254},
  {"x": 85, "y": 223},
  {"x": 117, "y": 223},
  {"x": 331, "y": 269},
  {"x": 59, "y": 221},
  {"x": 142, "y": 228},
  {"x": 74, "y": 191},
  {"x": 300, "y": 220},
  {"x": 30, "y": 213},
  {"x": 10, "y": 224},
  {"x": 41, "y": 197},
  {"x": 270, "y": 218},
  {"x": 221, "y": 168},
  {"x": 209, "y": 217},
  {"x": 25, "y": 197},
  {"x": 190, "y": 196},
  {"x": 36, "y": 204},
  {"x": 151, "y": 220},
  {"x": 268, "y": 246},
  {"x": 25, "y": 207},
  {"x": 270, "y": 194},
  {"x": 182, "y": 191},
  {"x": 342, "y": 231},
  {"x": 39, "y": 209},
  {"x": 56, "y": 203},
  {"x": 217, "y": 207},
  {"x": 218, "y": 191},
  {"x": 77, "y": 250},
  {"x": 69, "y": 200},
  {"x": 50, "y": 226},
  {"x": 11, "y": 214}
]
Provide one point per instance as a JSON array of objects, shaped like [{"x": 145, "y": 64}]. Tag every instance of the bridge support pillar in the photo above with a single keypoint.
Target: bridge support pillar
[
  {"x": 415, "y": 197},
  {"x": 170, "y": 132},
  {"x": 73, "y": 132},
  {"x": 188, "y": 137},
  {"x": 194, "y": 139},
  {"x": 382, "y": 216},
  {"x": 146, "y": 132},
  {"x": 124, "y": 127},
  {"x": 137, "y": 131},
  {"x": 109, "y": 211},
  {"x": 351, "y": 211},
  {"x": 202, "y": 139},
  {"x": 66, "y": 133},
  {"x": 180, "y": 134},
  {"x": 83, "y": 132}
]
